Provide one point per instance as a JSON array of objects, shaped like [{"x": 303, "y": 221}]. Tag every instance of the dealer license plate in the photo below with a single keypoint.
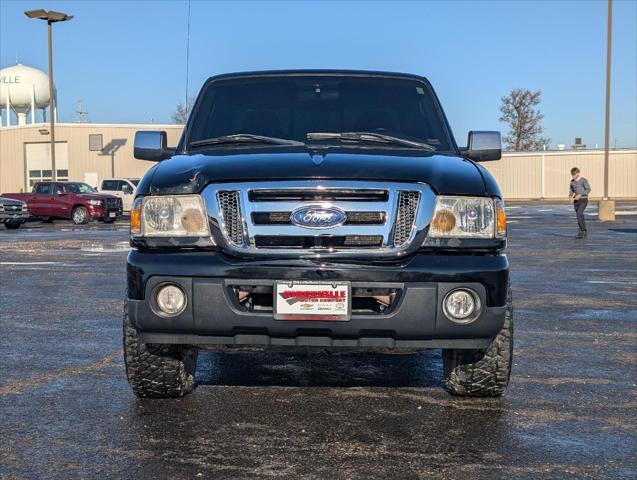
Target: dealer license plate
[
  {"x": 111, "y": 214},
  {"x": 312, "y": 301}
]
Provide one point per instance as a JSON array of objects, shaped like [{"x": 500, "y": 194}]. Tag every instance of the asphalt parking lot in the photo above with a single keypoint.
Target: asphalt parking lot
[{"x": 66, "y": 410}]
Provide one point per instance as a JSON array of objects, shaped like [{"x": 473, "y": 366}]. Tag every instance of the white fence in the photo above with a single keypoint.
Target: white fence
[{"x": 538, "y": 175}]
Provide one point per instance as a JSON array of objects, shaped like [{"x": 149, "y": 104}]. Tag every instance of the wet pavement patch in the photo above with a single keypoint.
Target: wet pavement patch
[{"x": 66, "y": 410}]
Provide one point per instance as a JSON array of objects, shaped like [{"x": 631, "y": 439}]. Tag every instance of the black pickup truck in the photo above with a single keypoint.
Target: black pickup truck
[{"x": 328, "y": 209}]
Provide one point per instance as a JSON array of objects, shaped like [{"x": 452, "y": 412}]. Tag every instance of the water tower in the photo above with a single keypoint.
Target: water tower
[{"x": 23, "y": 89}]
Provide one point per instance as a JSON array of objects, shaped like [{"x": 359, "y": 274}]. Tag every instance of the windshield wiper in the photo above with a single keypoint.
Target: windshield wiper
[
  {"x": 369, "y": 137},
  {"x": 244, "y": 138}
]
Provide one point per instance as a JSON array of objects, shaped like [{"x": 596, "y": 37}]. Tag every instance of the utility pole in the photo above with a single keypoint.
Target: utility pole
[
  {"x": 50, "y": 17},
  {"x": 606, "y": 205}
]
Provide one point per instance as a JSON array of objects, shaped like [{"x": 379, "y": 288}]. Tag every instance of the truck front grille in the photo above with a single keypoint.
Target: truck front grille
[
  {"x": 379, "y": 217},
  {"x": 13, "y": 208},
  {"x": 113, "y": 203}
]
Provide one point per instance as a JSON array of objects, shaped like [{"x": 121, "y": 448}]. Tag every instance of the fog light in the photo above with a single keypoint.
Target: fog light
[
  {"x": 171, "y": 300},
  {"x": 462, "y": 306}
]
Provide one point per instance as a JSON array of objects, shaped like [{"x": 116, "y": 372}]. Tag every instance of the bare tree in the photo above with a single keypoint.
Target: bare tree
[
  {"x": 180, "y": 115},
  {"x": 519, "y": 110}
]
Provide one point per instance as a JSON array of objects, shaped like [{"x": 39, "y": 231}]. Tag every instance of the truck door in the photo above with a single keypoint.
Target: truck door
[
  {"x": 40, "y": 200},
  {"x": 126, "y": 193},
  {"x": 61, "y": 201}
]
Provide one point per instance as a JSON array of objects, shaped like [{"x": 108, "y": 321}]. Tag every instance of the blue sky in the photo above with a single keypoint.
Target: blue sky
[{"x": 126, "y": 60}]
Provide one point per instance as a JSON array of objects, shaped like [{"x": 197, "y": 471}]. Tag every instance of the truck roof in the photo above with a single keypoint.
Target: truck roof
[
  {"x": 310, "y": 72},
  {"x": 65, "y": 182}
]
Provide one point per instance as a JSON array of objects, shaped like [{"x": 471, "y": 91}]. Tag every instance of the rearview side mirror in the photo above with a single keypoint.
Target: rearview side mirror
[
  {"x": 152, "y": 145},
  {"x": 127, "y": 190},
  {"x": 483, "y": 146}
]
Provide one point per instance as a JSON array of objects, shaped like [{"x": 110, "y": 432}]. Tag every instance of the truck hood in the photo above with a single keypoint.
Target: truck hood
[
  {"x": 95, "y": 196},
  {"x": 10, "y": 201},
  {"x": 446, "y": 174}
]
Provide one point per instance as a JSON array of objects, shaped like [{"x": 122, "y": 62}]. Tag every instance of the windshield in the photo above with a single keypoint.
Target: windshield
[
  {"x": 80, "y": 188},
  {"x": 291, "y": 107}
]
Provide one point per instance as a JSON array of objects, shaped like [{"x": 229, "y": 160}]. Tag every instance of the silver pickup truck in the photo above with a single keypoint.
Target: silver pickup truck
[{"x": 13, "y": 213}]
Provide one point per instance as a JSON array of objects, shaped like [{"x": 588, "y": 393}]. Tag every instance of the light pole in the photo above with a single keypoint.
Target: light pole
[
  {"x": 51, "y": 17},
  {"x": 606, "y": 209}
]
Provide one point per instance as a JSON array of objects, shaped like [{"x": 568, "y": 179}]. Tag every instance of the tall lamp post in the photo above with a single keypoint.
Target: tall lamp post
[
  {"x": 51, "y": 17},
  {"x": 606, "y": 209}
]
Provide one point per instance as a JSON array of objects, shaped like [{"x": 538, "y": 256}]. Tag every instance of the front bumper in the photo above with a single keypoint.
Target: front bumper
[
  {"x": 14, "y": 217},
  {"x": 96, "y": 212},
  {"x": 417, "y": 320}
]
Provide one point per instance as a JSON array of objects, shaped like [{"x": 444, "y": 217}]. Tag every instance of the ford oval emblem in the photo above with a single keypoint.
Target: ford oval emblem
[{"x": 318, "y": 217}]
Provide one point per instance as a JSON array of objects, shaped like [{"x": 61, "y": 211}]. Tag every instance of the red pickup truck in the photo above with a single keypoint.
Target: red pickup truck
[{"x": 74, "y": 200}]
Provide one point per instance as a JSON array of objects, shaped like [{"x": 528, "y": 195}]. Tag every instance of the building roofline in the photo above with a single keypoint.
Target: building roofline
[
  {"x": 99, "y": 125},
  {"x": 592, "y": 151}
]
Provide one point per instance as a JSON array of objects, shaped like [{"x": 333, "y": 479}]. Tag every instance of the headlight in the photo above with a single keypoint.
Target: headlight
[
  {"x": 95, "y": 203},
  {"x": 25, "y": 208},
  {"x": 468, "y": 217},
  {"x": 1, "y": 208},
  {"x": 169, "y": 216}
]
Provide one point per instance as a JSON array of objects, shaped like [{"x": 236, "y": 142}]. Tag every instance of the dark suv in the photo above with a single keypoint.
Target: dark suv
[{"x": 327, "y": 209}]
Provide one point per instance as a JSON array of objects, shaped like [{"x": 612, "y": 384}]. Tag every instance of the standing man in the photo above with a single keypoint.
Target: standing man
[{"x": 580, "y": 188}]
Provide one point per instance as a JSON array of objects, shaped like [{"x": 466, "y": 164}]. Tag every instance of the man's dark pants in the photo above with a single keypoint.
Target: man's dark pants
[{"x": 580, "y": 206}]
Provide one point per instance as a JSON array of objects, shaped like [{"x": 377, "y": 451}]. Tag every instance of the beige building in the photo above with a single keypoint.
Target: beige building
[
  {"x": 91, "y": 152},
  {"x": 86, "y": 152},
  {"x": 546, "y": 175}
]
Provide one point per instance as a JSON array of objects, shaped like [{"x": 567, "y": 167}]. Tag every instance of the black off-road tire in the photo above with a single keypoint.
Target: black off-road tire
[
  {"x": 157, "y": 371},
  {"x": 484, "y": 372},
  {"x": 80, "y": 216},
  {"x": 13, "y": 225}
]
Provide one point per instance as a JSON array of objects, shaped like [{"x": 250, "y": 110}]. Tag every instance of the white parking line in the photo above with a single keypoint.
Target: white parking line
[
  {"x": 29, "y": 263},
  {"x": 604, "y": 281},
  {"x": 619, "y": 212},
  {"x": 102, "y": 249}
]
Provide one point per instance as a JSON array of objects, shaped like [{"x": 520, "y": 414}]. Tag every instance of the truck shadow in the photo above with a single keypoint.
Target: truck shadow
[{"x": 320, "y": 369}]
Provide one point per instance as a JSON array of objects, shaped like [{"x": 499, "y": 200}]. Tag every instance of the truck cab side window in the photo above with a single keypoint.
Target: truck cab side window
[
  {"x": 43, "y": 189},
  {"x": 126, "y": 187},
  {"x": 109, "y": 185}
]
